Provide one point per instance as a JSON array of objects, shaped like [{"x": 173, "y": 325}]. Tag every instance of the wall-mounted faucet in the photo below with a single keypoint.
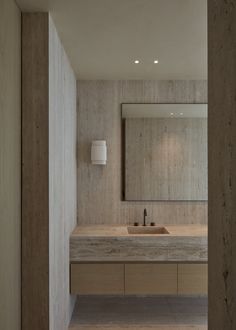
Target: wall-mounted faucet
[{"x": 144, "y": 217}]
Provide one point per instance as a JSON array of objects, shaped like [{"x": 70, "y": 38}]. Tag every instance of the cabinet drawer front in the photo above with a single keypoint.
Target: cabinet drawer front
[
  {"x": 192, "y": 279},
  {"x": 151, "y": 279},
  {"x": 97, "y": 279}
]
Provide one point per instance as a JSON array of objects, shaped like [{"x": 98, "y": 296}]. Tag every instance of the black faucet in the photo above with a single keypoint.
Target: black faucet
[{"x": 144, "y": 217}]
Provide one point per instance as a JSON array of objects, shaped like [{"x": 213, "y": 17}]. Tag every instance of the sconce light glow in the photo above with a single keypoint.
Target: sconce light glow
[
  {"x": 156, "y": 62},
  {"x": 136, "y": 61},
  {"x": 99, "y": 152}
]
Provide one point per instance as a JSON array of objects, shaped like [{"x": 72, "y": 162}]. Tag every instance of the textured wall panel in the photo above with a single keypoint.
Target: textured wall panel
[{"x": 99, "y": 117}]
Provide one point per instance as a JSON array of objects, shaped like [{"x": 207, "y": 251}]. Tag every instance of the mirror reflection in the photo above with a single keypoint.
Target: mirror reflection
[{"x": 165, "y": 152}]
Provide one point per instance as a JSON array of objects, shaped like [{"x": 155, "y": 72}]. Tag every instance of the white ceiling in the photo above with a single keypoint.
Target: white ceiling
[{"x": 103, "y": 37}]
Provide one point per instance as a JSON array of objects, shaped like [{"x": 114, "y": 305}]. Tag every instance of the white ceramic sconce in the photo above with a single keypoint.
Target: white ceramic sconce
[{"x": 99, "y": 152}]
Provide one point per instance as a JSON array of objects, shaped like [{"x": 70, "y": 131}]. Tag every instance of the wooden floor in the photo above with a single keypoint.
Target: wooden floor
[{"x": 141, "y": 313}]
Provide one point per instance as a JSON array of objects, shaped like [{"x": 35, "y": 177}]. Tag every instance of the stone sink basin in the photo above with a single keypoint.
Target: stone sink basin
[{"x": 142, "y": 230}]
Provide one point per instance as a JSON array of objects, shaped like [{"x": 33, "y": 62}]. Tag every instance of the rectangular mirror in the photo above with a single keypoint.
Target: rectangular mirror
[{"x": 165, "y": 152}]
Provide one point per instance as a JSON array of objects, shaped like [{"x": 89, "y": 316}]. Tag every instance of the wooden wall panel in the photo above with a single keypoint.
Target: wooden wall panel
[
  {"x": 10, "y": 165},
  {"x": 49, "y": 175},
  {"x": 99, "y": 117},
  {"x": 35, "y": 185},
  {"x": 175, "y": 154},
  {"x": 222, "y": 164}
]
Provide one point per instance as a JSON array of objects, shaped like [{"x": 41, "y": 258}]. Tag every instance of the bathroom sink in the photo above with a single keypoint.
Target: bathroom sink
[{"x": 147, "y": 230}]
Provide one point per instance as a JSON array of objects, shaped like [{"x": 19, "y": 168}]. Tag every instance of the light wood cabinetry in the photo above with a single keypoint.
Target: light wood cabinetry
[
  {"x": 151, "y": 278},
  {"x": 97, "y": 278},
  {"x": 192, "y": 278},
  {"x": 143, "y": 279}
]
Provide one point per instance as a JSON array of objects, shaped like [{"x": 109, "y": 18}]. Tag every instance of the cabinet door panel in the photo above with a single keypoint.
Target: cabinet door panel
[
  {"x": 192, "y": 279},
  {"x": 97, "y": 278},
  {"x": 151, "y": 279}
]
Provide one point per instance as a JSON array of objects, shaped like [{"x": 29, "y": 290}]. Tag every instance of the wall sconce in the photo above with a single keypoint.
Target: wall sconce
[{"x": 99, "y": 152}]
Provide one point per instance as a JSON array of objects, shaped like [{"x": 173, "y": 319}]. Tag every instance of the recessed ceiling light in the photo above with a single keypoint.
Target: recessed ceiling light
[
  {"x": 181, "y": 113},
  {"x": 171, "y": 114},
  {"x": 156, "y": 62},
  {"x": 136, "y": 61}
]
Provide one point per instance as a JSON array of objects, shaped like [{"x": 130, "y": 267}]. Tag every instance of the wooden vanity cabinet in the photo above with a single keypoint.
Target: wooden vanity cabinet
[
  {"x": 151, "y": 279},
  {"x": 192, "y": 279},
  {"x": 97, "y": 279},
  {"x": 142, "y": 278}
]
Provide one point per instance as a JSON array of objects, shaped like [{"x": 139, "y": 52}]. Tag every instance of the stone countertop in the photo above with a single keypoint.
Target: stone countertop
[{"x": 105, "y": 243}]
